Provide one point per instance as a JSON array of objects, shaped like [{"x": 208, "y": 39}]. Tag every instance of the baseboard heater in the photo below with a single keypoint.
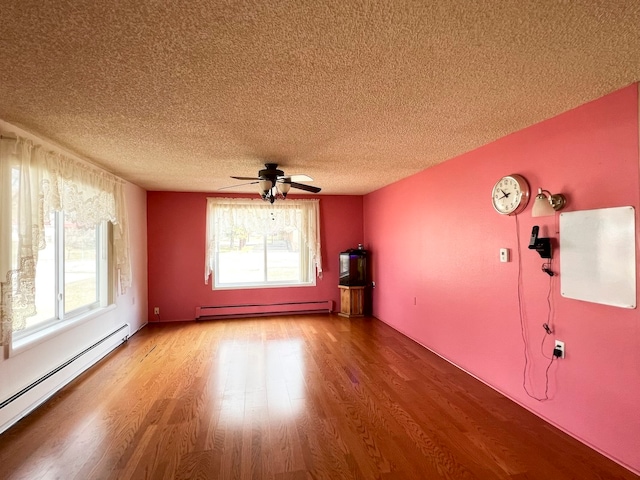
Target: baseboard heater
[
  {"x": 263, "y": 309},
  {"x": 33, "y": 395}
]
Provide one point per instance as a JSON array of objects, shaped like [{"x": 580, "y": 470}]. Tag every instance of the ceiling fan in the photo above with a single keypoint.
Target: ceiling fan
[{"x": 275, "y": 184}]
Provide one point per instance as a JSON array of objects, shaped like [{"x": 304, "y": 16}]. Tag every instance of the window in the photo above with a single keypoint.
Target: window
[
  {"x": 55, "y": 237},
  {"x": 253, "y": 244},
  {"x": 71, "y": 273}
]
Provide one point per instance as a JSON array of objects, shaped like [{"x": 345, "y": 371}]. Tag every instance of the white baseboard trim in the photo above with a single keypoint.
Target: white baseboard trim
[{"x": 19, "y": 405}]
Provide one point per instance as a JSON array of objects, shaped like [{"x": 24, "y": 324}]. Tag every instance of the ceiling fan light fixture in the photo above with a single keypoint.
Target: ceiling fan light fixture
[
  {"x": 274, "y": 185},
  {"x": 284, "y": 189},
  {"x": 265, "y": 186}
]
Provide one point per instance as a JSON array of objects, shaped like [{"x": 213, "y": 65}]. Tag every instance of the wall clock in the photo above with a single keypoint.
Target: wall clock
[{"x": 510, "y": 195}]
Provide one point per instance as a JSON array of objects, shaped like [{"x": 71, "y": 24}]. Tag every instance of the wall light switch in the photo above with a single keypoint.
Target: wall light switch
[{"x": 504, "y": 255}]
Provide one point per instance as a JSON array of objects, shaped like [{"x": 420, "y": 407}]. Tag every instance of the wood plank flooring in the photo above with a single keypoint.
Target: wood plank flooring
[{"x": 286, "y": 398}]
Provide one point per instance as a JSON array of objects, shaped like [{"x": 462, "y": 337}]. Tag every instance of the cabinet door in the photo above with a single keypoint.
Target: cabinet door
[
  {"x": 351, "y": 301},
  {"x": 345, "y": 301}
]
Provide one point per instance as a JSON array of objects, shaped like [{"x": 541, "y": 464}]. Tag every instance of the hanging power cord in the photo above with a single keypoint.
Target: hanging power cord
[
  {"x": 546, "y": 267},
  {"x": 546, "y": 326}
]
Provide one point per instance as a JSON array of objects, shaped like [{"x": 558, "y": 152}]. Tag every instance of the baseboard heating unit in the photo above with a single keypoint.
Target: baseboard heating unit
[
  {"x": 35, "y": 394},
  {"x": 263, "y": 309}
]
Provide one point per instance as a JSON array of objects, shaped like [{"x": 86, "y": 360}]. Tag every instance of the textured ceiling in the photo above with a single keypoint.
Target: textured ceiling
[{"x": 357, "y": 94}]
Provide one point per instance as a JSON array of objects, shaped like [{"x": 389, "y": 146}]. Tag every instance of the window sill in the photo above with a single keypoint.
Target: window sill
[
  {"x": 36, "y": 338},
  {"x": 240, "y": 286}
]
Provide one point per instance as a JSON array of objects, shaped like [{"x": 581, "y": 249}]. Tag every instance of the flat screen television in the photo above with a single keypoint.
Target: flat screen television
[{"x": 353, "y": 267}]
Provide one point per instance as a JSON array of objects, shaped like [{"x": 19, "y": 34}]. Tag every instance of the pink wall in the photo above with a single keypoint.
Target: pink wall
[
  {"x": 132, "y": 306},
  {"x": 176, "y": 238},
  {"x": 435, "y": 240}
]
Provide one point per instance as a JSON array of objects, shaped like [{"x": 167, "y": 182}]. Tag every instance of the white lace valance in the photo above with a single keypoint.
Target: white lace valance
[{"x": 45, "y": 181}]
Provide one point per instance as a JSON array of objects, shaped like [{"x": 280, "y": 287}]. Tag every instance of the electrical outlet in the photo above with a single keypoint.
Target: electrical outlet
[
  {"x": 558, "y": 349},
  {"x": 156, "y": 310},
  {"x": 504, "y": 255}
]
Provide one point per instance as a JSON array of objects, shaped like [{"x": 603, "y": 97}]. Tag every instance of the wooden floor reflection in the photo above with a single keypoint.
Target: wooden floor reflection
[{"x": 300, "y": 397}]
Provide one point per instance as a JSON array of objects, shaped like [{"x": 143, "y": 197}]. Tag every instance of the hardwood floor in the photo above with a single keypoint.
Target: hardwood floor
[{"x": 287, "y": 398}]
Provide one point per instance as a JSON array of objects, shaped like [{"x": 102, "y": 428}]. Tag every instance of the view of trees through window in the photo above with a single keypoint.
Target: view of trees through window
[
  {"x": 80, "y": 266},
  {"x": 252, "y": 257}
]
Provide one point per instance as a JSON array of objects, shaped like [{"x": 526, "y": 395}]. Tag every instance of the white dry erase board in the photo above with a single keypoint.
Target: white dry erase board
[{"x": 598, "y": 256}]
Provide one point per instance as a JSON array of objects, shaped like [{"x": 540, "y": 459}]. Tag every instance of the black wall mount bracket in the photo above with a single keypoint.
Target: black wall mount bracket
[{"x": 540, "y": 245}]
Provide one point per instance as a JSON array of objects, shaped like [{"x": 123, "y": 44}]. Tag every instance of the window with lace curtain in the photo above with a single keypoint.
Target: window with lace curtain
[
  {"x": 252, "y": 244},
  {"x": 71, "y": 273},
  {"x": 58, "y": 218}
]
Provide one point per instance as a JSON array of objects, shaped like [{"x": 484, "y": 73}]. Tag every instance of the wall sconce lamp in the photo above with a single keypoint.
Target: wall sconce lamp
[{"x": 547, "y": 204}]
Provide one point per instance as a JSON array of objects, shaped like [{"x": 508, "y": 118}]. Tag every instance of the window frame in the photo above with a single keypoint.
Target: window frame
[
  {"x": 306, "y": 262},
  {"x": 63, "y": 319},
  {"x": 306, "y": 220}
]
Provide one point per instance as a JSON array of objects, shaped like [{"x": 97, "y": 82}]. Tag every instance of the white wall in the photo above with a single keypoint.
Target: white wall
[{"x": 25, "y": 367}]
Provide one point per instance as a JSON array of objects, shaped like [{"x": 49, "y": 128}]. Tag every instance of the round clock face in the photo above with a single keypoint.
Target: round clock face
[{"x": 510, "y": 195}]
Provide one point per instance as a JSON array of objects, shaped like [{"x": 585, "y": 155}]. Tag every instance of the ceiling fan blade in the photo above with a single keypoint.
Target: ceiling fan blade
[
  {"x": 239, "y": 185},
  {"x": 246, "y": 178},
  {"x": 302, "y": 186},
  {"x": 298, "y": 178}
]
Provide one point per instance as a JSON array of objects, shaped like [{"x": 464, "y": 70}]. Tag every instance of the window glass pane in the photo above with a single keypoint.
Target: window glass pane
[
  {"x": 80, "y": 265},
  {"x": 241, "y": 257},
  {"x": 283, "y": 255},
  {"x": 46, "y": 277}
]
